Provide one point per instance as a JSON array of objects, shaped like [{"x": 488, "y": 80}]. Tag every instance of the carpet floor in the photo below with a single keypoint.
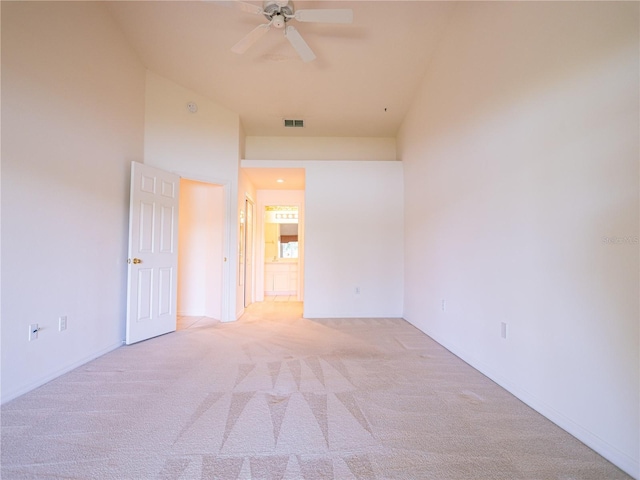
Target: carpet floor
[{"x": 275, "y": 396}]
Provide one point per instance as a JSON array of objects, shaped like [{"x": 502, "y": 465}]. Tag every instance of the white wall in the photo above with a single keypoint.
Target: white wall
[
  {"x": 203, "y": 146},
  {"x": 72, "y": 121},
  {"x": 354, "y": 238},
  {"x": 520, "y": 157},
  {"x": 320, "y": 148},
  {"x": 200, "y": 253}
]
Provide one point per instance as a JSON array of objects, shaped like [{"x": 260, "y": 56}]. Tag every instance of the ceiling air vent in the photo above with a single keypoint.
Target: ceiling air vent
[{"x": 293, "y": 123}]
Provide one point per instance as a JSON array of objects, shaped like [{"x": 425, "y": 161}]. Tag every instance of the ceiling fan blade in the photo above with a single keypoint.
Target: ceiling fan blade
[
  {"x": 252, "y": 37},
  {"x": 247, "y": 7},
  {"x": 299, "y": 44},
  {"x": 325, "y": 16}
]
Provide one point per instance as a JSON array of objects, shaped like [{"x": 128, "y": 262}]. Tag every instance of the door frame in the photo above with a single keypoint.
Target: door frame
[{"x": 249, "y": 283}]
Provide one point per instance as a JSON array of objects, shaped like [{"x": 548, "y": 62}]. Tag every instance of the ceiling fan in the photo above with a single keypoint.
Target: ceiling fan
[{"x": 279, "y": 13}]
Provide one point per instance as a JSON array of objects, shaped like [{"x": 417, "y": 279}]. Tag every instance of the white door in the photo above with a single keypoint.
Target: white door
[{"x": 153, "y": 253}]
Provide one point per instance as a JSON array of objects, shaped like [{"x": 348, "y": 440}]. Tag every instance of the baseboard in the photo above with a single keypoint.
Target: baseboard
[
  {"x": 593, "y": 441},
  {"x": 7, "y": 397},
  {"x": 320, "y": 315}
]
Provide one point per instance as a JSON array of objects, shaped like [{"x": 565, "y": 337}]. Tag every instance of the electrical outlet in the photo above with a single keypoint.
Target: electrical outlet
[
  {"x": 33, "y": 331},
  {"x": 62, "y": 323},
  {"x": 503, "y": 330}
]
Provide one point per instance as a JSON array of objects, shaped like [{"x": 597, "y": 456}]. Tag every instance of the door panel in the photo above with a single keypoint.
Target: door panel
[
  {"x": 153, "y": 257},
  {"x": 165, "y": 291},
  {"x": 145, "y": 244},
  {"x": 167, "y": 229},
  {"x": 144, "y": 294}
]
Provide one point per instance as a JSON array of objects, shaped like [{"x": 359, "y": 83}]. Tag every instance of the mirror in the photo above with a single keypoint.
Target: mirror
[{"x": 280, "y": 233}]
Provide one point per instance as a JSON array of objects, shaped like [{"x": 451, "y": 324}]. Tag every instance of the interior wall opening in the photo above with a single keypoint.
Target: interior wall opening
[
  {"x": 201, "y": 222},
  {"x": 281, "y": 252}
]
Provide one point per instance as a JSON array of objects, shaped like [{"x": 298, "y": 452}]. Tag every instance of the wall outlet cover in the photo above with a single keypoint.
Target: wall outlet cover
[{"x": 33, "y": 331}]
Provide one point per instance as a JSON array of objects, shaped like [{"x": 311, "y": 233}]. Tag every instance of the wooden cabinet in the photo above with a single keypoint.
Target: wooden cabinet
[{"x": 281, "y": 278}]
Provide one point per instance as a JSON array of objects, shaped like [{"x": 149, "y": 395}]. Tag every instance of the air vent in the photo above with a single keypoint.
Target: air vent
[{"x": 293, "y": 123}]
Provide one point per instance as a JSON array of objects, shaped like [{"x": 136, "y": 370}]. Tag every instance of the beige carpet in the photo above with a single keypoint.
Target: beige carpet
[{"x": 275, "y": 396}]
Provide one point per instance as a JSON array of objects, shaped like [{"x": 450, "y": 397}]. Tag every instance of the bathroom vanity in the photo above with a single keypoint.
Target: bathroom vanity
[{"x": 281, "y": 277}]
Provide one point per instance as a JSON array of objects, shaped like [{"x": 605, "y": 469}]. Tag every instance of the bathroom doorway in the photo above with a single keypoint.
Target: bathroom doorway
[{"x": 279, "y": 251}]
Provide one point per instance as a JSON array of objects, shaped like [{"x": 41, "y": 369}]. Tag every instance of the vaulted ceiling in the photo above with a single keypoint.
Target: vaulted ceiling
[{"x": 360, "y": 85}]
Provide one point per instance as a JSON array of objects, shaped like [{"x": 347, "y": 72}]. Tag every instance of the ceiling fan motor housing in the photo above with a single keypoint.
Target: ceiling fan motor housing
[{"x": 277, "y": 12}]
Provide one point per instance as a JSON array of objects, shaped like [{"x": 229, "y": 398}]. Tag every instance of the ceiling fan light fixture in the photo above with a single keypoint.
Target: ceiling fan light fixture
[{"x": 278, "y": 21}]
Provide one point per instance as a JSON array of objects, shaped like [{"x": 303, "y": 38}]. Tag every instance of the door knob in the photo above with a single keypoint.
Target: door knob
[{"x": 135, "y": 261}]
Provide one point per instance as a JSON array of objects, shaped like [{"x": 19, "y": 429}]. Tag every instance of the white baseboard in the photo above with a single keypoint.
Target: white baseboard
[
  {"x": 6, "y": 397},
  {"x": 364, "y": 316},
  {"x": 593, "y": 441}
]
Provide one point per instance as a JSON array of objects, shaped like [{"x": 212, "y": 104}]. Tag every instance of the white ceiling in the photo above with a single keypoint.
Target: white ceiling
[
  {"x": 361, "y": 69},
  {"x": 269, "y": 178}
]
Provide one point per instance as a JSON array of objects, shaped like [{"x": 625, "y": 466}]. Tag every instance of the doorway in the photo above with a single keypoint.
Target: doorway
[
  {"x": 201, "y": 225},
  {"x": 279, "y": 247},
  {"x": 280, "y": 251}
]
